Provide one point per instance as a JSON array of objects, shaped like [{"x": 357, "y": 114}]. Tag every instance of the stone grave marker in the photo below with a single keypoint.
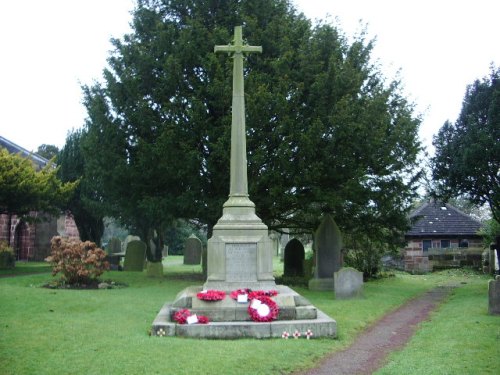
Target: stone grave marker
[
  {"x": 294, "y": 258},
  {"x": 328, "y": 246},
  {"x": 128, "y": 239},
  {"x": 192, "y": 250},
  {"x": 494, "y": 296},
  {"x": 135, "y": 256},
  {"x": 114, "y": 246},
  {"x": 348, "y": 283}
]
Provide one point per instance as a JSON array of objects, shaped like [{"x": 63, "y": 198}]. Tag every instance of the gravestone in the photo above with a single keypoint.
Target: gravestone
[
  {"x": 348, "y": 283},
  {"x": 114, "y": 246},
  {"x": 128, "y": 239},
  {"x": 494, "y": 296},
  {"x": 294, "y": 258},
  {"x": 192, "y": 250},
  {"x": 327, "y": 254},
  {"x": 135, "y": 256}
]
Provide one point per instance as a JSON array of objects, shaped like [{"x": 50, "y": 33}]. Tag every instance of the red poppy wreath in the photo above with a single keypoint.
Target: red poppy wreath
[
  {"x": 263, "y": 309},
  {"x": 211, "y": 295}
]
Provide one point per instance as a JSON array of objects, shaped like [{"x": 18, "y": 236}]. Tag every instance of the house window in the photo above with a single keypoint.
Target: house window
[
  {"x": 463, "y": 243},
  {"x": 426, "y": 245},
  {"x": 445, "y": 244}
]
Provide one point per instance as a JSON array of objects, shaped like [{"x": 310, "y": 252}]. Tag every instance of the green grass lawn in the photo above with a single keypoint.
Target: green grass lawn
[
  {"x": 45, "y": 331},
  {"x": 460, "y": 338}
]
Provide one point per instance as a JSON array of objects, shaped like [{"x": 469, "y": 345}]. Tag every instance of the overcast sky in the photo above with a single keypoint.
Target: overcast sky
[{"x": 49, "y": 48}]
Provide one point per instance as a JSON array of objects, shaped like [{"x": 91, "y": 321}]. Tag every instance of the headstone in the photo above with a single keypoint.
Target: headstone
[
  {"x": 128, "y": 239},
  {"x": 348, "y": 283},
  {"x": 114, "y": 245},
  {"x": 294, "y": 258},
  {"x": 192, "y": 250},
  {"x": 494, "y": 296},
  {"x": 328, "y": 246},
  {"x": 135, "y": 256}
]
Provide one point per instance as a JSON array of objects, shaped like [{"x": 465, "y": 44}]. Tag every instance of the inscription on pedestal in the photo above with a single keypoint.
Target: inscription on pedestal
[{"x": 241, "y": 262}]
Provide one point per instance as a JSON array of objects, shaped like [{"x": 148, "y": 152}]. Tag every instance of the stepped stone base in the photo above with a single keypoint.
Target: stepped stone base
[{"x": 230, "y": 320}]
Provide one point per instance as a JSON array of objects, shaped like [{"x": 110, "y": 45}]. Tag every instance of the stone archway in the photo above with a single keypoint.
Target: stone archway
[{"x": 22, "y": 241}]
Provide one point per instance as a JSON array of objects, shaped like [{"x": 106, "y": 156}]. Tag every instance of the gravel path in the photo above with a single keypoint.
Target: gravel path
[{"x": 370, "y": 350}]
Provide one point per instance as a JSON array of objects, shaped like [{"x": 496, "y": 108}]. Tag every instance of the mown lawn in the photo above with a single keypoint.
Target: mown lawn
[
  {"x": 460, "y": 337},
  {"x": 45, "y": 331}
]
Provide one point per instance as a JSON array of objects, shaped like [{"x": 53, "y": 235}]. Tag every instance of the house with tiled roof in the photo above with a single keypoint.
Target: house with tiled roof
[
  {"x": 31, "y": 239},
  {"x": 442, "y": 236}
]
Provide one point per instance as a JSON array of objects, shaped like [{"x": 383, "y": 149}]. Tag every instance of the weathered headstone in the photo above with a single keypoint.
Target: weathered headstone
[
  {"x": 494, "y": 296},
  {"x": 135, "y": 256},
  {"x": 128, "y": 239},
  {"x": 294, "y": 258},
  {"x": 192, "y": 250},
  {"x": 328, "y": 246},
  {"x": 114, "y": 246},
  {"x": 348, "y": 283}
]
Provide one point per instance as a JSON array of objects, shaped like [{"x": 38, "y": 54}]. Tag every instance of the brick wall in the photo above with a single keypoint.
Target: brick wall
[{"x": 32, "y": 241}]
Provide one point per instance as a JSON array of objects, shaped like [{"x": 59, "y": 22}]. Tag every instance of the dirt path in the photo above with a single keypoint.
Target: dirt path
[{"x": 370, "y": 350}]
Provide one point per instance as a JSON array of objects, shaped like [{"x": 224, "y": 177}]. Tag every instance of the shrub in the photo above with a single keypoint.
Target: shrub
[
  {"x": 7, "y": 258},
  {"x": 79, "y": 262}
]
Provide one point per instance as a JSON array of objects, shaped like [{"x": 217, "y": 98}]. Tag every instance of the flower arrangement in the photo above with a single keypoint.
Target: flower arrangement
[
  {"x": 263, "y": 309},
  {"x": 239, "y": 292},
  {"x": 181, "y": 316},
  {"x": 259, "y": 293},
  {"x": 297, "y": 334},
  {"x": 211, "y": 295},
  {"x": 184, "y": 316}
]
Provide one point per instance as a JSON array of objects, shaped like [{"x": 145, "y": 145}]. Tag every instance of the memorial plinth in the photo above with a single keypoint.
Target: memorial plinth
[{"x": 240, "y": 254}]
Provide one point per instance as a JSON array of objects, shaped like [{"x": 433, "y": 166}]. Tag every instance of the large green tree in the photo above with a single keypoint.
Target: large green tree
[
  {"x": 84, "y": 203},
  {"x": 23, "y": 189},
  {"x": 325, "y": 131},
  {"x": 467, "y": 159}
]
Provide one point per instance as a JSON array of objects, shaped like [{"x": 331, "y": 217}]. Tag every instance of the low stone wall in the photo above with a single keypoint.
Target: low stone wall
[
  {"x": 416, "y": 261},
  {"x": 456, "y": 258}
]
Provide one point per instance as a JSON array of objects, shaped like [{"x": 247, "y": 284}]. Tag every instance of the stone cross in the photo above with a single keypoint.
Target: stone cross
[{"x": 238, "y": 190}]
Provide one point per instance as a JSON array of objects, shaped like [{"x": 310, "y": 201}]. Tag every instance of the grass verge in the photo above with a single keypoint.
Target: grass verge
[
  {"x": 460, "y": 337},
  {"x": 46, "y": 331}
]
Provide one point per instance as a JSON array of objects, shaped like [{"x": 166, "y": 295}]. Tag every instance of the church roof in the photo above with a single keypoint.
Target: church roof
[
  {"x": 434, "y": 219},
  {"x": 12, "y": 148}
]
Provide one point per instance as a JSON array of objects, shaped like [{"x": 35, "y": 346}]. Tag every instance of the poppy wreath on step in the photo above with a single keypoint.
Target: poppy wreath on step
[
  {"x": 239, "y": 292},
  {"x": 263, "y": 309},
  {"x": 211, "y": 295},
  {"x": 259, "y": 293}
]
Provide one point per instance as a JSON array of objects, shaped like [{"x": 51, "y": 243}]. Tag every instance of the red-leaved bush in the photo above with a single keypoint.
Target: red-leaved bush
[{"x": 79, "y": 262}]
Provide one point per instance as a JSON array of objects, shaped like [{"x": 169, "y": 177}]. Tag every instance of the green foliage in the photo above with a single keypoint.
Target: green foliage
[
  {"x": 365, "y": 254},
  {"x": 490, "y": 231},
  {"x": 23, "y": 189},
  {"x": 47, "y": 151},
  {"x": 325, "y": 131},
  {"x": 84, "y": 203},
  {"x": 7, "y": 257},
  {"x": 80, "y": 263},
  {"x": 467, "y": 157},
  {"x": 177, "y": 234}
]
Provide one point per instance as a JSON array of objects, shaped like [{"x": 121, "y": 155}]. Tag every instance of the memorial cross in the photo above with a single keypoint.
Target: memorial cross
[{"x": 238, "y": 189}]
